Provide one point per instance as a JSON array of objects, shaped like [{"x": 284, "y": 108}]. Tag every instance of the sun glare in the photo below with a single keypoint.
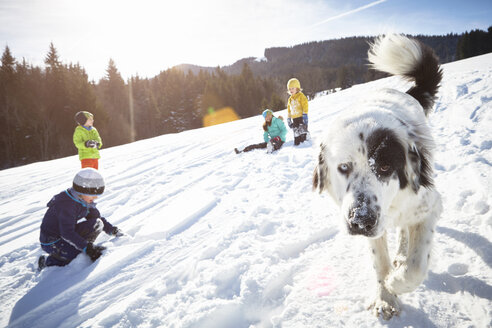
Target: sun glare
[
  {"x": 149, "y": 36},
  {"x": 142, "y": 37}
]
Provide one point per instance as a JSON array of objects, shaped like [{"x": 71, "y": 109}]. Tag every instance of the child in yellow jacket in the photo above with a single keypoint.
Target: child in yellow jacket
[
  {"x": 297, "y": 109},
  {"x": 87, "y": 140}
]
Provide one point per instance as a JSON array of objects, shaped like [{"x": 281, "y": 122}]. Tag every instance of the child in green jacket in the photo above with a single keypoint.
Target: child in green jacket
[
  {"x": 87, "y": 140},
  {"x": 274, "y": 134}
]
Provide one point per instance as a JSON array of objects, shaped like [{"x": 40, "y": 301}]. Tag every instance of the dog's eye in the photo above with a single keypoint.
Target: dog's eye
[
  {"x": 384, "y": 168},
  {"x": 344, "y": 168}
]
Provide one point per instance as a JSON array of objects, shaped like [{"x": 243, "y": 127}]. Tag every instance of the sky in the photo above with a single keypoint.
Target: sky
[{"x": 148, "y": 36}]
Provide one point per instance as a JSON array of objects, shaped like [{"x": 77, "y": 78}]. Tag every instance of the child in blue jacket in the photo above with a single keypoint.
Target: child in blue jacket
[
  {"x": 62, "y": 236},
  {"x": 274, "y": 134}
]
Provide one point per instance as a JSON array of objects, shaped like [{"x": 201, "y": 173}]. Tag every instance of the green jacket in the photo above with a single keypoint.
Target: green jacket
[
  {"x": 80, "y": 136},
  {"x": 276, "y": 129}
]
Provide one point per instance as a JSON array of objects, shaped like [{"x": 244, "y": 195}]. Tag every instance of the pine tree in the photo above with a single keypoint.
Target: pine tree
[
  {"x": 8, "y": 108},
  {"x": 343, "y": 78},
  {"x": 52, "y": 59},
  {"x": 55, "y": 108},
  {"x": 115, "y": 99}
]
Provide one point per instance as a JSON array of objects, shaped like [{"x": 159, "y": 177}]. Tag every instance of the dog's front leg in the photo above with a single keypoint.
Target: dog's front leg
[
  {"x": 386, "y": 303},
  {"x": 402, "y": 251},
  {"x": 409, "y": 274}
]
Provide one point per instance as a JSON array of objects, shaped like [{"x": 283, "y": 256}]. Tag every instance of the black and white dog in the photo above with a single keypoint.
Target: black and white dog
[{"x": 376, "y": 163}]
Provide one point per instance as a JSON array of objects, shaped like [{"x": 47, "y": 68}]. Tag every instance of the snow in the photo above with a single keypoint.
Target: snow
[{"x": 217, "y": 239}]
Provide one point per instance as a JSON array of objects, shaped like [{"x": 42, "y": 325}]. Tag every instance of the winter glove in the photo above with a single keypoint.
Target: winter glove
[
  {"x": 305, "y": 119},
  {"x": 94, "y": 252},
  {"x": 274, "y": 144},
  {"x": 90, "y": 144},
  {"x": 289, "y": 122},
  {"x": 117, "y": 232},
  {"x": 276, "y": 139}
]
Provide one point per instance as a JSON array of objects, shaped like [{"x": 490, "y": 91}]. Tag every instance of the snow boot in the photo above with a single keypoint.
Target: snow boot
[
  {"x": 297, "y": 132},
  {"x": 237, "y": 151},
  {"x": 41, "y": 263}
]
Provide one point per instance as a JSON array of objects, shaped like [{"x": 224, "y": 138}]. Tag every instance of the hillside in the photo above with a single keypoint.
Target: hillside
[
  {"x": 320, "y": 65},
  {"x": 221, "y": 240}
]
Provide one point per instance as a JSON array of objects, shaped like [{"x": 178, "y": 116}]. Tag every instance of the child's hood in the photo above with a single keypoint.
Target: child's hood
[
  {"x": 297, "y": 95},
  {"x": 61, "y": 197},
  {"x": 83, "y": 127},
  {"x": 67, "y": 198},
  {"x": 278, "y": 120}
]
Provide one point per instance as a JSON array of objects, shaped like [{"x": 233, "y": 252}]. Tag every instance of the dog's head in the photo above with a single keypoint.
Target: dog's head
[{"x": 363, "y": 165}]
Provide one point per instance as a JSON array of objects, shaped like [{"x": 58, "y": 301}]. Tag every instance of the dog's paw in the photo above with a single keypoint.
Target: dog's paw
[{"x": 387, "y": 306}]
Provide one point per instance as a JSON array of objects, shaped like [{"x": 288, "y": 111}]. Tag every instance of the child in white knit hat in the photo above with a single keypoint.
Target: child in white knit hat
[{"x": 63, "y": 234}]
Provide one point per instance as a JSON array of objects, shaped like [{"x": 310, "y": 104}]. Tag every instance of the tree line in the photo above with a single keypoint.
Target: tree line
[
  {"x": 38, "y": 104},
  {"x": 474, "y": 43}
]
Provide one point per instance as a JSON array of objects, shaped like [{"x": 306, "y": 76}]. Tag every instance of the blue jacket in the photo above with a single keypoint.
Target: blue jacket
[
  {"x": 64, "y": 210},
  {"x": 276, "y": 129}
]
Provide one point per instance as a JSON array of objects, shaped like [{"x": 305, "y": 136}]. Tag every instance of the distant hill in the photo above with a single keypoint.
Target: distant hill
[
  {"x": 322, "y": 65},
  {"x": 195, "y": 69}
]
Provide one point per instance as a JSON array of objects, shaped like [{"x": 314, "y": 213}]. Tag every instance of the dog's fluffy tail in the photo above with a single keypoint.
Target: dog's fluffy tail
[{"x": 399, "y": 55}]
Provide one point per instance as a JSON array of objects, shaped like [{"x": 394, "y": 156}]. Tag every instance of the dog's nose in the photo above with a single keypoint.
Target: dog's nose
[{"x": 361, "y": 219}]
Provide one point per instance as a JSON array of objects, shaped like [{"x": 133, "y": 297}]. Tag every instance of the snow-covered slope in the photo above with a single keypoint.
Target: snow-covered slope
[{"x": 217, "y": 239}]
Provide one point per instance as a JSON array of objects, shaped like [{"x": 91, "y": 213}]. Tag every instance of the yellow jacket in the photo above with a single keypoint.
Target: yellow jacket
[{"x": 297, "y": 105}]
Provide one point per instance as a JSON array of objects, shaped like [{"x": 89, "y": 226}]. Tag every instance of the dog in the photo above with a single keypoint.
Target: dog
[{"x": 376, "y": 163}]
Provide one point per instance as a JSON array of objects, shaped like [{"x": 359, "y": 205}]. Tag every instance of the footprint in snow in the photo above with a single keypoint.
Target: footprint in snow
[
  {"x": 458, "y": 269},
  {"x": 267, "y": 228},
  {"x": 262, "y": 210},
  {"x": 461, "y": 90},
  {"x": 486, "y": 145},
  {"x": 481, "y": 207}
]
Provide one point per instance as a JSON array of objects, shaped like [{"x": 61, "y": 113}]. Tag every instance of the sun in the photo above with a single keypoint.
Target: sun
[{"x": 143, "y": 37}]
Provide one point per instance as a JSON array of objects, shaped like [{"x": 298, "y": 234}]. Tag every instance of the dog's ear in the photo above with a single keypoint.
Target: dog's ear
[
  {"x": 419, "y": 168},
  {"x": 316, "y": 177},
  {"x": 321, "y": 178}
]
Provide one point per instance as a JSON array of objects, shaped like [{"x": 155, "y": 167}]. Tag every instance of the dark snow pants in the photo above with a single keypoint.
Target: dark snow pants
[
  {"x": 300, "y": 130},
  {"x": 276, "y": 146},
  {"x": 62, "y": 252}
]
